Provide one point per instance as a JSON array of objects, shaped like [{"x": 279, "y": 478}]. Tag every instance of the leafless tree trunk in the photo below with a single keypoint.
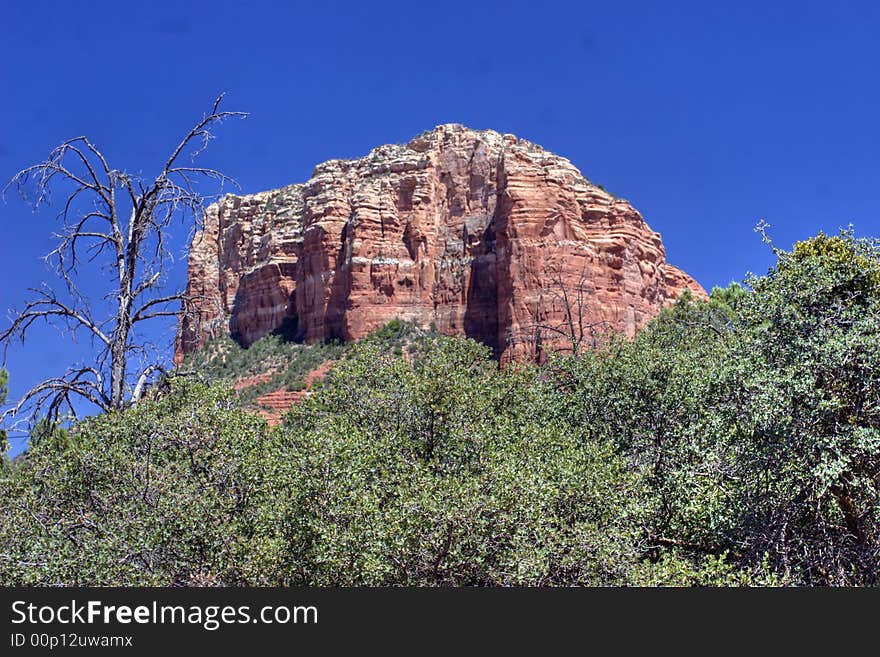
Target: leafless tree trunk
[
  {"x": 571, "y": 330},
  {"x": 119, "y": 221}
]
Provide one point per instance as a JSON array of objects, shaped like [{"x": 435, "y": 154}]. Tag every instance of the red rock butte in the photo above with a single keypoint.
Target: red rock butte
[{"x": 472, "y": 232}]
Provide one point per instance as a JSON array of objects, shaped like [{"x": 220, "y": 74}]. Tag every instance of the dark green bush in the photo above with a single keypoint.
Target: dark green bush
[
  {"x": 163, "y": 494},
  {"x": 732, "y": 442}
]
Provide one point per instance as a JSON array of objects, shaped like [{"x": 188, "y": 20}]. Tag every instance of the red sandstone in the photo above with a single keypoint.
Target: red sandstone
[{"x": 480, "y": 234}]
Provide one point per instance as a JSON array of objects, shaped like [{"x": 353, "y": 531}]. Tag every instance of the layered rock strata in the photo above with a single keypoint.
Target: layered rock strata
[{"x": 474, "y": 232}]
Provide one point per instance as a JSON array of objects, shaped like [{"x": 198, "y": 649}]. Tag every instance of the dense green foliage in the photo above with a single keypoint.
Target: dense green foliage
[
  {"x": 155, "y": 495},
  {"x": 756, "y": 416},
  {"x": 445, "y": 471},
  {"x": 734, "y": 441}
]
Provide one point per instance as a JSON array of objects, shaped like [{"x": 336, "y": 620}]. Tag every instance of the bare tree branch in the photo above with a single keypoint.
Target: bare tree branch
[
  {"x": 564, "y": 325},
  {"x": 53, "y": 393},
  {"x": 120, "y": 221},
  {"x": 142, "y": 382},
  {"x": 44, "y": 307}
]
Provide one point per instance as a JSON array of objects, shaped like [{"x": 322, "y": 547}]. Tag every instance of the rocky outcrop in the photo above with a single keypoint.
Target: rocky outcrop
[{"x": 478, "y": 233}]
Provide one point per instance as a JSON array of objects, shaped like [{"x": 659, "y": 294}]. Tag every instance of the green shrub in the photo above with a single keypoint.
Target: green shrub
[
  {"x": 731, "y": 442},
  {"x": 158, "y": 495},
  {"x": 445, "y": 471}
]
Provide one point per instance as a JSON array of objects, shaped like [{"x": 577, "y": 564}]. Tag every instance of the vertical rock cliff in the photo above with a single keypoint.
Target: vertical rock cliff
[{"x": 478, "y": 233}]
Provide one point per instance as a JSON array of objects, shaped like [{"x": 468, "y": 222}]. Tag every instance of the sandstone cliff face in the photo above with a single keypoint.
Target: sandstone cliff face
[{"x": 481, "y": 234}]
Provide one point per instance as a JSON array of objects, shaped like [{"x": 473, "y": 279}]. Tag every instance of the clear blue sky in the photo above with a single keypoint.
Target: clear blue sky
[{"x": 707, "y": 116}]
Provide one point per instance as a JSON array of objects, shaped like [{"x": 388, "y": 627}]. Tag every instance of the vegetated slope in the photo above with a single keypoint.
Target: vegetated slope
[
  {"x": 730, "y": 442},
  {"x": 275, "y": 372}
]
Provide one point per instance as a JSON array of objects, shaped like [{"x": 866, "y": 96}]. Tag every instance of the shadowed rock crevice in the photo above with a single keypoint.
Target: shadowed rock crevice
[{"x": 481, "y": 316}]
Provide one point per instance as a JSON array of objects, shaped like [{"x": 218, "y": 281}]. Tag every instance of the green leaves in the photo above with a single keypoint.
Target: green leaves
[
  {"x": 732, "y": 442},
  {"x": 448, "y": 471},
  {"x": 754, "y": 419},
  {"x": 440, "y": 470},
  {"x": 155, "y": 495},
  {"x": 810, "y": 366}
]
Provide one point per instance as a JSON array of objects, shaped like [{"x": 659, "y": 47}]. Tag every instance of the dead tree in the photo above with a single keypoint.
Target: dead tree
[
  {"x": 118, "y": 221},
  {"x": 572, "y": 330}
]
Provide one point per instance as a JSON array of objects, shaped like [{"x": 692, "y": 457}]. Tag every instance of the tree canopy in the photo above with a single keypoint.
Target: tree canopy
[{"x": 731, "y": 442}]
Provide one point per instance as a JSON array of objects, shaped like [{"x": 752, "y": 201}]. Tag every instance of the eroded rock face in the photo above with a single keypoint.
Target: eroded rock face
[{"x": 480, "y": 234}]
